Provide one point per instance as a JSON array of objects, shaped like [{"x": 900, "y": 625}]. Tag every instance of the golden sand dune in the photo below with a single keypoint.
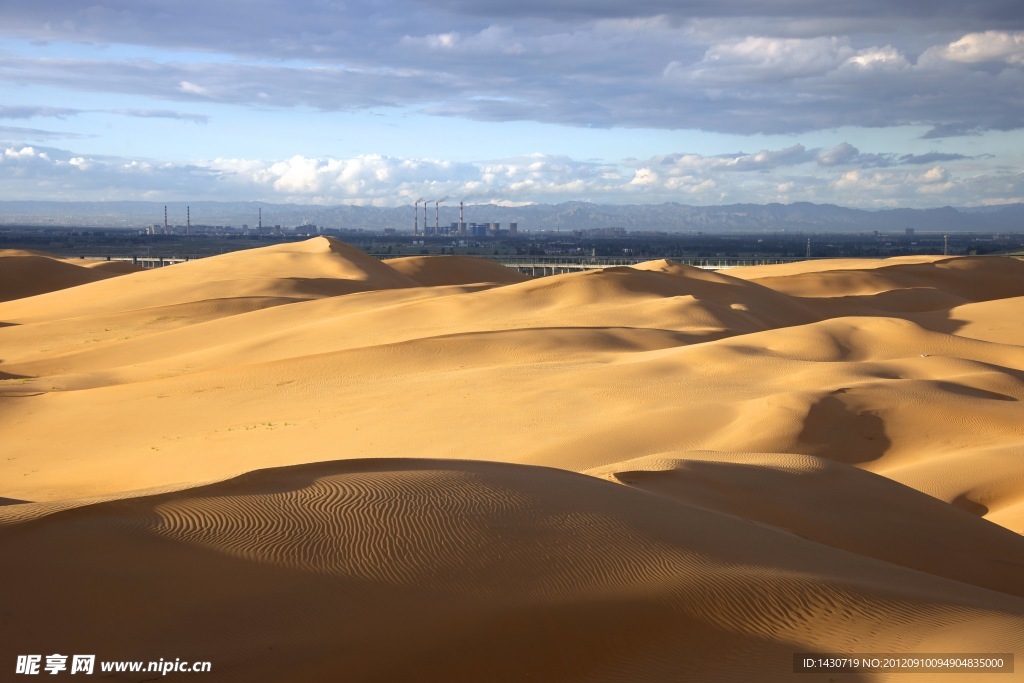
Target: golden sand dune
[
  {"x": 26, "y": 273},
  {"x": 307, "y": 270},
  {"x": 468, "y": 571},
  {"x": 814, "y": 457}
]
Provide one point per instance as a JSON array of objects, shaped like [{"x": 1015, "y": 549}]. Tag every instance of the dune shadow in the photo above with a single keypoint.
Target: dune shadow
[
  {"x": 12, "y": 501},
  {"x": 8, "y": 375},
  {"x": 329, "y": 286},
  {"x": 967, "y": 505},
  {"x": 5, "y": 324},
  {"x": 835, "y": 431},
  {"x": 972, "y": 392},
  {"x": 937, "y": 321}
]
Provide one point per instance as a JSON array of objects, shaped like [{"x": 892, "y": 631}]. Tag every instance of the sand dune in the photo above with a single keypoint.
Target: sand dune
[
  {"x": 294, "y": 271},
  {"x": 449, "y": 571},
  {"x": 408, "y": 460},
  {"x": 971, "y": 278},
  {"x": 25, "y": 273}
]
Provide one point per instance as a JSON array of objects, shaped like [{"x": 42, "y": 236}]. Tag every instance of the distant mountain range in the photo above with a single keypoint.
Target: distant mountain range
[{"x": 670, "y": 217}]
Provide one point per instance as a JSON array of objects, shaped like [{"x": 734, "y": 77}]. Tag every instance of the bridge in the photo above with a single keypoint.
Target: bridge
[
  {"x": 540, "y": 266},
  {"x": 143, "y": 261}
]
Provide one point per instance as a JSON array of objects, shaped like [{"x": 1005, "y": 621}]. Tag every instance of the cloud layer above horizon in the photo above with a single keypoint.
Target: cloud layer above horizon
[{"x": 861, "y": 104}]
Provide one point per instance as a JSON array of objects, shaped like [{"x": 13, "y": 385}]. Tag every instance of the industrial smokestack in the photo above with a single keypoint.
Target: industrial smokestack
[
  {"x": 462, "y": 223},
  {"x": 437, "y": 214},
  {"x": 416, "y": 217},
  {"x": 188, "y": 220},
  {"x": 261, "y": 219},
  {"x": 165, "y": 219}
]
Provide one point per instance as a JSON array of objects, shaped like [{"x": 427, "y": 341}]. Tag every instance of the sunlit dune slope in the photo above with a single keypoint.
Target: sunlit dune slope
[
  {"x": 465, "y": 571},
  {"x": 434, "y": 271},
  {"x": 28, "y": 273},
  {"x": 643, "y": 309},
  {"x": 287, "y": 272}
]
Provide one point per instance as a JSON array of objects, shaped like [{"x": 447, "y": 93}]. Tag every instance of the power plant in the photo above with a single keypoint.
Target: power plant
[{"x": 461, "y": 228}]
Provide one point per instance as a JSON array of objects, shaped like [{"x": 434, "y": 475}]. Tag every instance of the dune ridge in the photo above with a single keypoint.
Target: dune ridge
[
  {"x": 25, "y": 273},
  {"x": 434, "y": 469}
]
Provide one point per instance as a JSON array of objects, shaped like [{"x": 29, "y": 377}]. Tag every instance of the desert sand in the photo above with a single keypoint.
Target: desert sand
[{"x": 305, "y": 464}]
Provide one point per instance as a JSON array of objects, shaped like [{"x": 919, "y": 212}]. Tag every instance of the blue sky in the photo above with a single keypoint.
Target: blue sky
[{"x": 854, "y": 103}]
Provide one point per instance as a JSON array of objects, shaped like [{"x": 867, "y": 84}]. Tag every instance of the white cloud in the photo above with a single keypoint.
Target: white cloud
[
  {"x": 841, "y": 175},
  {"x": 192, "y": 88},
  {"x": 756, "y": 57},
  {"x": 886, "y": 57},
  {"x": 985, "y": 47},
  {"x": 23, "y": 153},
  {"x": 644, "y": 177}
]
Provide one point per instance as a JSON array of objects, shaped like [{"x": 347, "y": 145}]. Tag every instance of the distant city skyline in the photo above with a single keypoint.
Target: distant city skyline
[{"x": 864, "y": 105}]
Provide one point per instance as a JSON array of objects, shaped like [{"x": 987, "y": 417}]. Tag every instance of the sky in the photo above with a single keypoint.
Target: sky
[{"x": 866, "y": 103}]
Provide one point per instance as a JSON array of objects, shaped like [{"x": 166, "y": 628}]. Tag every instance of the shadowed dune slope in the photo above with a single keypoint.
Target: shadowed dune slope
[
  {"x": 115, "y": 267},
  {"x": 464, "y": 571},
  {"x": 967, "y": 278},
  {"x": 433, "y": 271},
  {"x": 26, "y": 273},
  {"x": 900, "y": 525}
]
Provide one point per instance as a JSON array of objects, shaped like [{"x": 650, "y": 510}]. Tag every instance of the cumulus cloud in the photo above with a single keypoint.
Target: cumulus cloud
[
  {"x": 886, "y": 57},
  {"x": 986, "y": 46},
  {"x": 842, "y": 174},
  {"x": 776, "y": 59},
  {"x": 738, "y": 67}
]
